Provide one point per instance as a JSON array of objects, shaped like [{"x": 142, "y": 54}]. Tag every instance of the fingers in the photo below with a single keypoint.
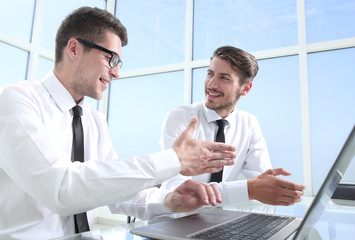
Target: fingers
[
  {"x": 217, "y": 165},
  {"x": 215, "y": 155},
  {"x": 269, "y": 189},
  {"x": 209, "y": 194},
  {"x": 289, "y": 198},
  {"x": 216, "y": 192},
  {"x": 191, "y": 195},
  {"x": 214, "y": 161},
  {"x": 217, "y": 146},
  {"x": 278, "y": 171}
]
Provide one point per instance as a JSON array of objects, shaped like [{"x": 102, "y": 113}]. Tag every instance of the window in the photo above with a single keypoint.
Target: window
[
  {"x": 137, "y": 109},
  {"x": 155, "y": 32},
  {"x": 13, "y": 64},
  {"x": 332, "y": 114},
  {"x": 249, "y": 25}
]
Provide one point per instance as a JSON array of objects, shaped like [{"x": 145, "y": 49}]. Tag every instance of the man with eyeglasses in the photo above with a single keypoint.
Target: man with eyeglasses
[{"x": 56, "y": 156}]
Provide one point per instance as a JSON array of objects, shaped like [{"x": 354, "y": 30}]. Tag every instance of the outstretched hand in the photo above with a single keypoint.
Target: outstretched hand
[
  {"x": 269, "y": 189},
  {"x": 198, "y": 157},
  {"x": 192, "y": 195}
]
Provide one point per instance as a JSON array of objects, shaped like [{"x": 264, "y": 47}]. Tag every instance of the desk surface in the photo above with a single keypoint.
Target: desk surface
[{"x": 337, "y": 222}]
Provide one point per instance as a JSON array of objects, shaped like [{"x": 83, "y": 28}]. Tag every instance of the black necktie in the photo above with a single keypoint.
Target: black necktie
[
  {"x": 217, "y": 177},
  {"x": 80, "y": 219}
]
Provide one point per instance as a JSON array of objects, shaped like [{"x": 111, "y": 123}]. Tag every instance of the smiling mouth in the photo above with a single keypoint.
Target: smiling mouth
[
  {"x": 213, "y": 94},
  {"x": 103, "y": 82}
]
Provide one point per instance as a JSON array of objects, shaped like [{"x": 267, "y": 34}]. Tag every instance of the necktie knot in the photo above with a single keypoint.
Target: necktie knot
[
  {"x": 77, "y": 110},
  {"x": 221, "y": 123}
]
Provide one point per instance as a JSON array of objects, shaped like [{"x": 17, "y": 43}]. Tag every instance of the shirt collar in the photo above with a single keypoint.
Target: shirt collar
[
  {"x": 212, "y": 116},
  {"x": 58, "y": 92}
]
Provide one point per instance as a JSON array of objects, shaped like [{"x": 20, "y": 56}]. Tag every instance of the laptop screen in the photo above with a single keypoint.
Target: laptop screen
[{"x": 328, "y": 187}]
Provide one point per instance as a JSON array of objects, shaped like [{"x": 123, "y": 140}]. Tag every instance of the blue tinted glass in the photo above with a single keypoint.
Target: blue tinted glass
[
  {"x": 94, "y": 103},
  {"x": 137, "y": 109},
  {"x": 275, "y": 100},
  {"x": 332, "y": 111},
  {"x": 198, "y": 84},
  {"x": 51, "y": 22},
  {"x": 13, "y": 64},
  {"x": 17, "y": 18},
  {"x": 251, "y": 25},
  {"x": 156, "y": 32},
  {"x": 44, "y": 66},
  {"x": 329, "y": 20}
]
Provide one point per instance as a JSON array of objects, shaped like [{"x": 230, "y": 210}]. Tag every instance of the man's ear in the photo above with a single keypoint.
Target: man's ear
[
  {"x": 72, "y": 48},
  {"x": 246, "y": 88}
]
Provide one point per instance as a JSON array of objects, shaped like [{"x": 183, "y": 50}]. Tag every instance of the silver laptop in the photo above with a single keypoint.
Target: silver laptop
[{"x": 207, "y": 223}]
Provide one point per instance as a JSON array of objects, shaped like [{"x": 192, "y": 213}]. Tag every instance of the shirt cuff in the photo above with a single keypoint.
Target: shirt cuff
[
  {"x": 166, "y": 164},
  {"x": 234, "y": 192}
]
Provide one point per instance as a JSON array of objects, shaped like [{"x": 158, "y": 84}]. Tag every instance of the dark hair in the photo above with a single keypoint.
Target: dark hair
[
  {"x": 89, "y": 24},
  {"x": 242, "y": 62}
]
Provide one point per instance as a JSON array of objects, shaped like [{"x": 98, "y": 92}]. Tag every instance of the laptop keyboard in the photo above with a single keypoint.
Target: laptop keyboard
[{"x": 252, "y": 226}]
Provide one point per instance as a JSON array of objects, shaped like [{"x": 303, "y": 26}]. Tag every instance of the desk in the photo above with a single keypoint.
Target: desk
[{"x": 336, "y": 222}]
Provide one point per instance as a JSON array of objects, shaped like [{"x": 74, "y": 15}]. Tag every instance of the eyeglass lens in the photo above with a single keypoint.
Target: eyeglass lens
[{"x": 115, "y": 60}]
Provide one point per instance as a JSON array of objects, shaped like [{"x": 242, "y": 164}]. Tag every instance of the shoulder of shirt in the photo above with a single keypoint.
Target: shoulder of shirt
[
  {"x": 190, "y": 109},
  {"x": 24, "y": 87},
  {"x": 245, "y": 116},
  {"x": 182, "y": 114}
]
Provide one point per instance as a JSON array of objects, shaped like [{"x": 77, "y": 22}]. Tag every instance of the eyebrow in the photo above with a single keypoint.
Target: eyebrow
[{"x": 222, "y": 74}]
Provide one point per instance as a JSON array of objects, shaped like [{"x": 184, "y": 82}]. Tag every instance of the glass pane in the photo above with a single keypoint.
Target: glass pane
[
  {"x": 329, "y": 20},
  {"x": 51, "y": 22},
  {"x": 349, "y": 176},
  {"x": 13, "y": 64},
  {"x": 275, "y": 100},
  {"x": 332, "y": 112},
  {"x": 16, "y": 19},
  {"x": 137, "y": 109},
  {"x": 251, "y": 25},
  {"x": 94, "y": 103},
  {"x": 198, "y": 84},
  {"x": 156, "y": 32},
  {"x": 44, "y": 66}
]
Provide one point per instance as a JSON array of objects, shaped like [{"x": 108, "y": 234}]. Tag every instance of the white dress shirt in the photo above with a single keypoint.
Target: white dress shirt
[
  {"x": 243, "y": 131},
  {"x": 40, "y": 188}
]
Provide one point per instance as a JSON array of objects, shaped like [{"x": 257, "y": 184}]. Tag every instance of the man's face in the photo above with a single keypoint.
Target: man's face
[
  {"x": 94, "y": 73},
  {"x": 222, "y": 88}
]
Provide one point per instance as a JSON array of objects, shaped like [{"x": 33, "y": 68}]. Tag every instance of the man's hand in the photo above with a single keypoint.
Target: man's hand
[
  {"x": 198, "y": 157},
  {"x": 269, "y": 189},
  {"x": 192, "y": 195}
]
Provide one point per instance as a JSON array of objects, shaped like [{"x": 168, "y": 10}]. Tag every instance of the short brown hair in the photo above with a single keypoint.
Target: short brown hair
[
  {"x": 242, "y": 62},
  {"x": 90, "y": 24}
]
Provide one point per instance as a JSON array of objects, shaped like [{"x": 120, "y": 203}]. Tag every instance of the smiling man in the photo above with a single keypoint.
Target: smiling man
[
  {"x": 230, "y": 77},
  {"x": 57, "y": 161}
]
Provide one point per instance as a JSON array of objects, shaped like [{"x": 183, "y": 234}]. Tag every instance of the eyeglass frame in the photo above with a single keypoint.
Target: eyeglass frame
[{"x": 98, "y": 47}]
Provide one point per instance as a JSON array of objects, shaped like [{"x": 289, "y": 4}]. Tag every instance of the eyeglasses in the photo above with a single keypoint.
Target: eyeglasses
[{"x": 114, "y": 60}]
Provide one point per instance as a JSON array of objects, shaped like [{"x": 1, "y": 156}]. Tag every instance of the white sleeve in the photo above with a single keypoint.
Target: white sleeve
[
  {"x": 147, "y": 204},
  {"x": 31, "y": 158}
]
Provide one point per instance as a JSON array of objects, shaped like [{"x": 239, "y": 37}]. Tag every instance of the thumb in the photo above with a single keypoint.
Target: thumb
[{"x": 192, "y": 126}]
